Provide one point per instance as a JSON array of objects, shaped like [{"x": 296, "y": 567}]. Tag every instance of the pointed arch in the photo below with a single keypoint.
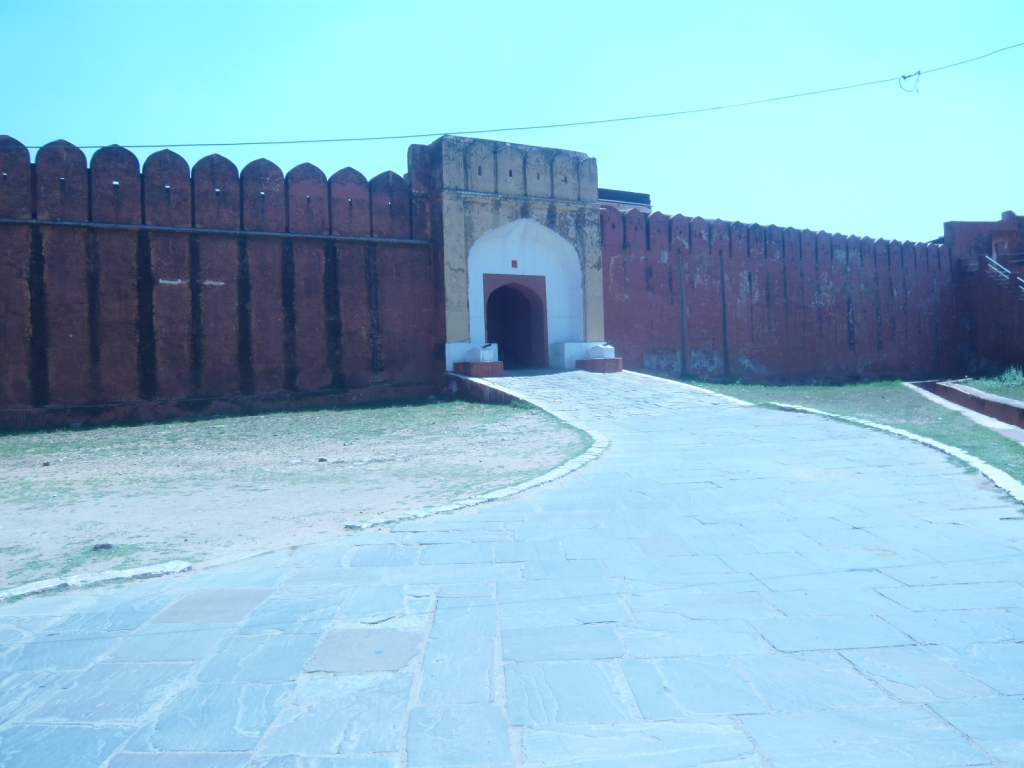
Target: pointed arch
[{"x": 537, "y": 251}]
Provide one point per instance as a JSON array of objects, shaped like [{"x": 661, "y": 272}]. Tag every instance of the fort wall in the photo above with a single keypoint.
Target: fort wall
[
  {"x": 731, "y": 301},
  {"x": 993, "y": 312},
  {"x": 131, "y": 293},
  {"x": 990, "y": 293},
  {"x": 128, "y": 293}
]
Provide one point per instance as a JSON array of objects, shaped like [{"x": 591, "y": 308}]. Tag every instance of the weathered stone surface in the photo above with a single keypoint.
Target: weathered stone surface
[
  {"x": 590, "y": 641},
  {"x": 458, "y": 736},
  {"x": 61, "y": 651},
  {"x": 364, "y": 650},
  {"x": 676, "y": 689},
  {"x": 215, "y": 606},
  {"x": 180, "y": 760},
  {"x": 217, "y": 718},
  {"x": 458, "y": 671},
  {"x": 112, "y": 692},
  {"x": 294, "y": 613},
  {"x": 915, "y": 675},
  {"x": 639, "y": 743},
  {"x": 694, "y": 597},
  {"x": 565, "y": 693},
  {"x": 804, "y": 682},
  {"x": 344, "y": 714},
  {"x": 892, "y": 735},
  {"x": 26, "y": 746},
  {"x": 993, "y": 723},
  {"x": 829, "y": 633},
  {"x": 170, "y": 642},
  {"x": 997, "y": 665},
  {"x": 666, "y": 638},
  {"x": 465, "y": 617},
  {"x": 259, "y": 659}
]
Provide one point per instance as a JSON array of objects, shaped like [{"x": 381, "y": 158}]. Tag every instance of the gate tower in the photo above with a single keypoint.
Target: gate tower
[{"x": 517, "y": 230}]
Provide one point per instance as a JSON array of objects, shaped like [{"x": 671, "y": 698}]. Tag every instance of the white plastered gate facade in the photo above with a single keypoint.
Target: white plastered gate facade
[
  {"x": 524, "y": 247},
  {"x": 503, "y": 203}
]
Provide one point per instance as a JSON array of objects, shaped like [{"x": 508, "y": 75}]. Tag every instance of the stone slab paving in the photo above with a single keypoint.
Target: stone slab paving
[{"x": 726, "y": 586}]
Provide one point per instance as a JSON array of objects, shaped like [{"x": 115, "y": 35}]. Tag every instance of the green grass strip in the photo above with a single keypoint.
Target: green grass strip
[{"x": 895, "y": 405}]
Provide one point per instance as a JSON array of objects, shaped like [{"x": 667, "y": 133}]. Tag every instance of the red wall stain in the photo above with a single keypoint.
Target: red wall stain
[
  {"x": 264, "y": 210},
  {"x": 350, "y": 215},
  {"x": 168, "y": 202},
  {"x": 62, "y": 193},
  {"x": 308, "y": 208},
  {"x": 773, "y": 305},
  {"x": 15, "y": 263},
  {"x": 216, "y": 191},
  {"x": 116, "y": 198}
]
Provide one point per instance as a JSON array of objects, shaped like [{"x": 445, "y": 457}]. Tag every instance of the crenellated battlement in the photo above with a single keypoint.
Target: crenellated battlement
[
  {"x": 170, "y": 284},
  {"x": 131, "y": 292},
  {"x": 725, "y": 300}
]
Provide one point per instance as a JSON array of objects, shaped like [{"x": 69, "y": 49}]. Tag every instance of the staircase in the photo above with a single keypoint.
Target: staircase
[{"x": 1003, "y": 275}]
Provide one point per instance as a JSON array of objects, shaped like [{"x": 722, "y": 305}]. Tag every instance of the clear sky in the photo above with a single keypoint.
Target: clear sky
[{"x": 875, "y": 161}]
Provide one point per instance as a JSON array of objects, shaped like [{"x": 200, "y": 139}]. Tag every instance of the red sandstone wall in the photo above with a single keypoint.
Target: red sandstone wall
[
  {"x": 994, "y": 313},
  {"x": 726, "y": 300},
  {"x": 970, "y": 240},
  {"x": 990, "y": 311},
  {"x": 142, "y": 322},
  {"x": 17, "y": 244},
  {"x": 157, "y": 321}
]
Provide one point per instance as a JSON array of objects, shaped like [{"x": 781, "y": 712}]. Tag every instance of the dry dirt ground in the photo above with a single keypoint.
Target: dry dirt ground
[{"x": 205, "y": 489}]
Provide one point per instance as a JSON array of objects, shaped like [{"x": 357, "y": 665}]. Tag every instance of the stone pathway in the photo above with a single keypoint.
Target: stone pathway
[{"x": 726, "y": 586}]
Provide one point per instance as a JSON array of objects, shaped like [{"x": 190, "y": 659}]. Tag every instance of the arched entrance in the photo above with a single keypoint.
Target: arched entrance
[
  {"x": 516, "y": 322},
  {"x": 528, "y": 254},
  {"x": 545, "y": 268}
]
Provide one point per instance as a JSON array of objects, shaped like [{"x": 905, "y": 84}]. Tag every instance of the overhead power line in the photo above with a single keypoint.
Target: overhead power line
[{"x": 901, "y": 80}]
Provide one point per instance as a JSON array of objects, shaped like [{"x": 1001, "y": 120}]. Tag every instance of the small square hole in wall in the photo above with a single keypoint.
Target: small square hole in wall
[{"x": 515, "y": 264}]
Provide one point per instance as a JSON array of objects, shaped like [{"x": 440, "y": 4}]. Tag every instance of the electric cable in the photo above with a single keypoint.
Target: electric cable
[{"x": 899, "y": 80}]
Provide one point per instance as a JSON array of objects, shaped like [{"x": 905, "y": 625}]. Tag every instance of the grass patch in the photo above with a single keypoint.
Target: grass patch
[
  {"x": 59, "y": 467},
  {"x": 199, "y": 488},
  {"x": 1010, "y": 383},
  {"x": 895, "y": 405},
  {"x": 118, "y": 556}
]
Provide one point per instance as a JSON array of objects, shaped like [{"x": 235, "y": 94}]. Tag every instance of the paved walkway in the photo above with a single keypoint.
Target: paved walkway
[{"x": 726, "y": 586}]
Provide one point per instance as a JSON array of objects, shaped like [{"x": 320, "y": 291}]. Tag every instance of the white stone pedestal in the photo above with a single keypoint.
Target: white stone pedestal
[{"x": 564, "y": 354}]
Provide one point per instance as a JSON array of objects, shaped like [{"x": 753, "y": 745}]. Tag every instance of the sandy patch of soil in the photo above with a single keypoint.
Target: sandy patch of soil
[{"x": 203, "y": 489}]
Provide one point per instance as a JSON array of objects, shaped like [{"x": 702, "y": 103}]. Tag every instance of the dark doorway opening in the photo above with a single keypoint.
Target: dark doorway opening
[{"x": 516, "y": 322}]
